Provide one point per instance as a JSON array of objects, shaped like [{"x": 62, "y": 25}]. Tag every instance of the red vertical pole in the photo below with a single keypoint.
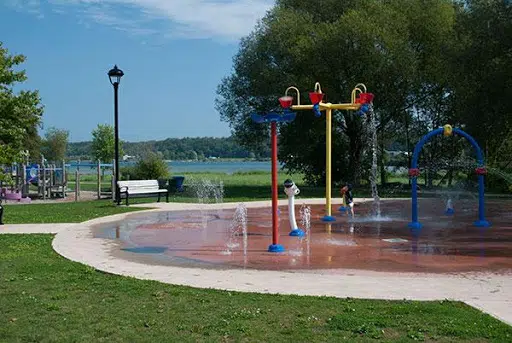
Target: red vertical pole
[{"x": 275, "y": 221}]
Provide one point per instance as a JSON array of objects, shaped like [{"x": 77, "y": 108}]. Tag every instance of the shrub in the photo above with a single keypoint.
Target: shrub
[
  {"x": 128, "y": 173},
  {"x": 150, "y": 167}
]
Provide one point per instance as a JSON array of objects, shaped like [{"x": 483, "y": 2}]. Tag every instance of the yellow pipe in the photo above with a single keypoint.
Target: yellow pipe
[
  {"x": 353, "y": 96},
  {"x": 302, "y": 107},
  {"x": 353, "y": 107},
  {"x": 295, "y": 89},
  {"x": 328, "y": 164},
  {"x": 362, "y": 85}
]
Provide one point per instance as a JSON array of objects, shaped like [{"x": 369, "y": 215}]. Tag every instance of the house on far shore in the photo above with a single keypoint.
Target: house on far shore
[{"x": 128, "y": 157}]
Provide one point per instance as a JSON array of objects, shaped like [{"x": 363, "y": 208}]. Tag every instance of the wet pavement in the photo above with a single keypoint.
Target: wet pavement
[{"x": 446, "y": 244}]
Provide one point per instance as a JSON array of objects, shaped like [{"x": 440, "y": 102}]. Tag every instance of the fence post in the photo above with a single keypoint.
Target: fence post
[
  {"x": 64, "y": 179},
  {"x": 24, "y": 187},
  {"x": 99, "y": 179},
  {"x": 51, "y": 180},
  {"x": 77, "y": 185},
  {"x": 43, "y": 181}
]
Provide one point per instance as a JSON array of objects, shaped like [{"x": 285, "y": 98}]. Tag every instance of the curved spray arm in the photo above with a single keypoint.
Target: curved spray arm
[{"x": 291, "y": 190}]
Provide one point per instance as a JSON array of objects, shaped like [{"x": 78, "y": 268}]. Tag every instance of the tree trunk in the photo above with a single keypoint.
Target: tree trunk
[
  {"x": 450, "y": 177},
  {"x": 408, "y": 143}
]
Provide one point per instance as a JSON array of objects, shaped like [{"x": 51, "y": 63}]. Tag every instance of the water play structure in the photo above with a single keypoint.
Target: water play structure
[
  {"x": 273, "y": 119},
  {"x": 360, "y": 101},
  {"x": 291, "y": 190},
  {"x": 414, "y": 172}
]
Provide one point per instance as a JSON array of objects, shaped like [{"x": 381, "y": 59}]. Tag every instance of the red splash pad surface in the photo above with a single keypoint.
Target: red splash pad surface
[{"x": 446, "y": 243}]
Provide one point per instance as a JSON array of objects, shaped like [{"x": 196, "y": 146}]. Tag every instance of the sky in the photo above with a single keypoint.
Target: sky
[{"x": 174, "y": 53}]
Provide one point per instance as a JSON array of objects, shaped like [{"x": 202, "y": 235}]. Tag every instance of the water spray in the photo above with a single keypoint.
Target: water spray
[{"x": 449, "y": 208}]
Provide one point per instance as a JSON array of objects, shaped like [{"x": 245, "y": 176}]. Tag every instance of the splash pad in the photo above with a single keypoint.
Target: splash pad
[{"x": 198, "y": 239}]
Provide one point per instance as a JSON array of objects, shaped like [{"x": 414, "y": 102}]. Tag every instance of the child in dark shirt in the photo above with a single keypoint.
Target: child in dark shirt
[{"x": 346, "y": 193}]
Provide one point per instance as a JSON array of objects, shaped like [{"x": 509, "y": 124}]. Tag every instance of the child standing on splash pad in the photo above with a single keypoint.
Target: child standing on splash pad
[{"x": 346, "y": 193}]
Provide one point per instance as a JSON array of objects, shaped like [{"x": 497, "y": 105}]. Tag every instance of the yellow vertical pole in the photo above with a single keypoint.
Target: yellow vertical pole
[{"x": 328, "y": 165}]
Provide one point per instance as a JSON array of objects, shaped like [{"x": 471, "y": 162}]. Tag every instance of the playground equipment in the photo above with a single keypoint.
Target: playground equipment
[
  {"x": 273, "y": 119},
  {"x": 291, "y": 190},
  {"x": 360, "y": 101},
  {"x": 50, "y": 179},
  {"x": 414, "y": 172}
]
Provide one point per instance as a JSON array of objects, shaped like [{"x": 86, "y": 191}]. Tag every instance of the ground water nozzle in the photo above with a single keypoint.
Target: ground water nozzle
[
  {"x": 291, "y": 190},
  {"x": 449, "y": 208}
]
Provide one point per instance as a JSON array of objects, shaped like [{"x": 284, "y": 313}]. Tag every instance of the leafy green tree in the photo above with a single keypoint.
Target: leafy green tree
[
  {"x": 55, "y": 144},
  {"x": 20, "y": 112},
  {"x": 394, "y": 47},
  {"x": 192, "y": 155},
  {"x": 103, "y": 144},
  {"x": 482, "y": 75}
]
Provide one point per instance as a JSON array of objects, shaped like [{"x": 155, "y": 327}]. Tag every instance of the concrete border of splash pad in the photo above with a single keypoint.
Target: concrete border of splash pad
[{"x": 489, "y": 292}]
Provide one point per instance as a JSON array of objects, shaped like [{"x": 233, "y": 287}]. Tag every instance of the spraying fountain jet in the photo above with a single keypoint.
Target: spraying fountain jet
[
  {"x": 449, "y": 208},
  {"x": 291, "y": 190}
]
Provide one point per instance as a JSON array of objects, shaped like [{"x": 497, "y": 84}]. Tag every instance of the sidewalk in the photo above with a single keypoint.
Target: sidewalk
[{"x": 34, "y": 228}]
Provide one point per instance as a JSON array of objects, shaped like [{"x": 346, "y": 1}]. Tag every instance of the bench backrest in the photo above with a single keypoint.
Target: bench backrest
[{"x": 134, "y": 185}]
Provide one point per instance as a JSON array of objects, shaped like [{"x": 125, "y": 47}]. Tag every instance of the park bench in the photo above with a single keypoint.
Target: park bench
[{"x": 141, "y": 188}]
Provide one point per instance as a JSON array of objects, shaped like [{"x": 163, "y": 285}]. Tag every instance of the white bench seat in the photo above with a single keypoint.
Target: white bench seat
[
  {"x": 135, "y": 187},
  {"x": 145, "y": 191}
]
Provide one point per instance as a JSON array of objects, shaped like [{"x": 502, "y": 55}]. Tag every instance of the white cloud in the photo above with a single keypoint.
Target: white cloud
[{"x": 216, "y": 19}]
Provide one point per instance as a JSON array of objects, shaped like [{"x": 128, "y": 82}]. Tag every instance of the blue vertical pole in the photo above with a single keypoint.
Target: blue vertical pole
[
  {"x": 481, "y": 204},
  {"x": 414, "y": 224},
  {"x": 481, "y": 222},
  {"x": 414, "y": 199}
]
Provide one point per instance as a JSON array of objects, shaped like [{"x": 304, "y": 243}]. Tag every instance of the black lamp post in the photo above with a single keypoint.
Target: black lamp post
[{"x": 115, "y": 74}]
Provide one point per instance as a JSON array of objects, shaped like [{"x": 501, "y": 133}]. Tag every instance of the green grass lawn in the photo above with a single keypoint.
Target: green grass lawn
[
  {"x": 46, "y": 298},
  {"x": 246, "y": 186},
  {"x": 238, "y": 187},
  {"x": 68, "y": 212}
]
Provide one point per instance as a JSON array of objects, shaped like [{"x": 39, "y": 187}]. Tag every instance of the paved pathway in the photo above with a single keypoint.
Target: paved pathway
[{"x": 34, "y": 228}]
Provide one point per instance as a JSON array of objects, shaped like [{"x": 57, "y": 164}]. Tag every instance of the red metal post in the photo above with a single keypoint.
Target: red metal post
[{"x": 275, "y": 218}]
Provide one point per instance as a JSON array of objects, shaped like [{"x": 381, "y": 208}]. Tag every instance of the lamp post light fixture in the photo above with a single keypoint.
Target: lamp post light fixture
[{"x": 115, "y": 74}]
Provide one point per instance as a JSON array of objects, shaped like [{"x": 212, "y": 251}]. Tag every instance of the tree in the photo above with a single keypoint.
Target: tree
[
  {"x": 395, "y": 47},
  {"x": 482, "y": 76},
  {"x": 20, "y": 112},
  {"x": 55, "y": 144},
  {"x": 103, "y": 143}
]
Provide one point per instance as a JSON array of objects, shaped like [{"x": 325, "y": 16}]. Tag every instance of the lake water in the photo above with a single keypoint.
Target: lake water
[{"x": 177, "y": 167}]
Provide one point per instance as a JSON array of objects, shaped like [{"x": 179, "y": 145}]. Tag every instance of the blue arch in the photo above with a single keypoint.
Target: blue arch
[{"x": 481, "y": 222}]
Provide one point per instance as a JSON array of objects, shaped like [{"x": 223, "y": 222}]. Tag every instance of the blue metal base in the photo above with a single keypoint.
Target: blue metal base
[
  {"x": 343, "y": 209},
  {"x": 449, "y": 212},
  {"x": 328, "y": 219},
  {"x": 297, "y": 233},
  {"x": 482, "y": 223},
  {"x": 275, "y": 248},
  {"x": 414, "y": 225}
]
